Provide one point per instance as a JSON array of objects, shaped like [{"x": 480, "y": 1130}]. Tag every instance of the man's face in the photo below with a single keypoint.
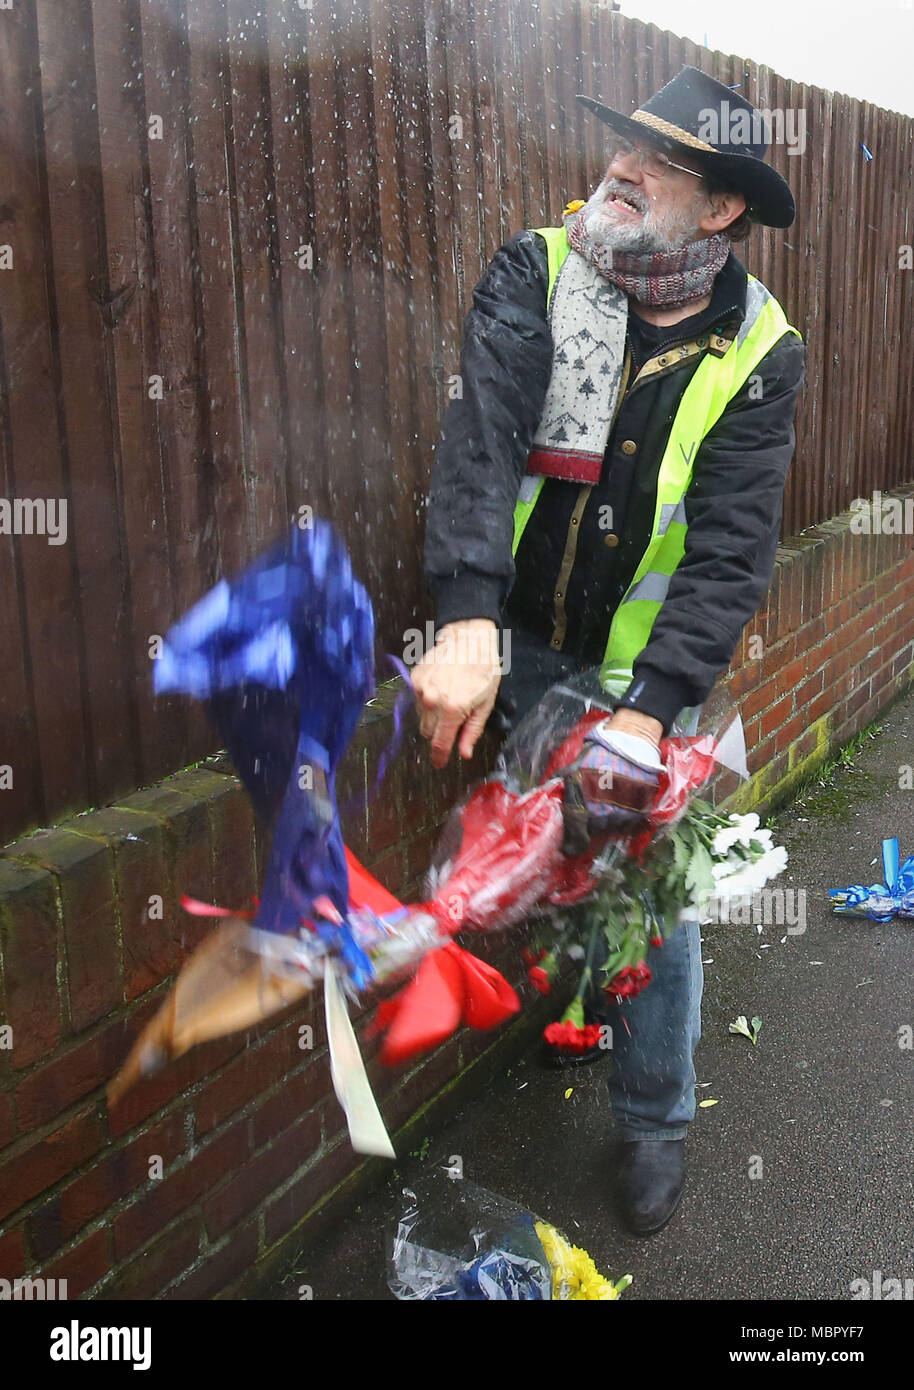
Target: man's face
[{"x": 634, "y": 210}]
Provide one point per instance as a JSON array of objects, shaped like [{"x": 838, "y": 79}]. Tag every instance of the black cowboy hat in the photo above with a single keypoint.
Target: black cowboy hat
[{"x": 697, "y": 115}]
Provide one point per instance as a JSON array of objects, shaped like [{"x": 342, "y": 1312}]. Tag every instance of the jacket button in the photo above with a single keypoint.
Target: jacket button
[
  {"x": 663, "y": 361},
  {"x": 611, "y": 539},
  {"x": 558, "y": 593},
  {"x": 629, "y": 446}
]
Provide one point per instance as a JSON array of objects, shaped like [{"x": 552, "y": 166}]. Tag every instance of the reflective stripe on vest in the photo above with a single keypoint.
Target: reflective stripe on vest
[{"x": 715, "y": 382}]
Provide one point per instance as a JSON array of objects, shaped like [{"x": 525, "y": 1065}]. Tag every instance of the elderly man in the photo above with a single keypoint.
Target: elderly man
[{"x": 608, "y": 490}]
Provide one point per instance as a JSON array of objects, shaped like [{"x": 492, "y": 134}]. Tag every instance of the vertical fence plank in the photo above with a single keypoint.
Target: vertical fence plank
[
  {"x": 43, "y": 694},
  {"x": 88, "y": 307}
]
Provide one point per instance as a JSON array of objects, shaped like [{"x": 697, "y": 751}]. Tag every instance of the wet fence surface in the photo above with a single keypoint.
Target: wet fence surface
[{"x": 238, "y": 246}]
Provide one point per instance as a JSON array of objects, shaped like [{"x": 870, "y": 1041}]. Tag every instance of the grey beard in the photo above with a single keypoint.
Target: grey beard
[{"x": 649, "y": 237}]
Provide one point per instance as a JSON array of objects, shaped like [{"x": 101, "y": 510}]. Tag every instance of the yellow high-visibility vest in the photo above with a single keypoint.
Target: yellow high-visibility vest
[{"x": 715, "y": 382}]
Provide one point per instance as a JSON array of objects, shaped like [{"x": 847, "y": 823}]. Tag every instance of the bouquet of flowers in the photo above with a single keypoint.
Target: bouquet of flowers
[
  {"x": 459, "y": 1243},
  {"x": 599, "y": 882}
]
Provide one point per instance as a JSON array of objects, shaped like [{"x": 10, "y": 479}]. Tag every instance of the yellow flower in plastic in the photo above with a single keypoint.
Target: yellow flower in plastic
[{"x": 574, "y": 1274}]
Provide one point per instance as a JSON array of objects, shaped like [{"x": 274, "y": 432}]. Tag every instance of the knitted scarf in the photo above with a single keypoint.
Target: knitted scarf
[{"x": 588, "y": 314}]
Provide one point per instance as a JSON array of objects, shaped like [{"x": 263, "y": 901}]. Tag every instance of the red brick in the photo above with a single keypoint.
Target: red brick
[
  {"x": 185, "y": 821},
  {"x": 806, "y": 743},
  {"x": 82, "y": 1266},
  {"x": 776, "y": 715},
  {"x": 756, "y": 701},
  {"x": 7, "y": 1128},
  {"x": 885, "y": 584},
  {"x": 751, "y": 731},
  {"x": 789, "y": 732},
  {"x": 174, "y": 1194},
  {"x": 793, "y": 673},
  {"x": 776, "y": 657},
  {"x": 254, "y": 1071},
  {"x": 412, "y": 1091},
  {"x": 821, "y": 705},
  {"x": 760, "y": 754},
  {"x": 173, "y": 1080},
  {"x": 826, "y": 652},
  {"x": 118, "y": 1173},
  {"x": 231, "y": 832},
  {"x": 745, "y": 679},
  {"x": 12, "y": 1253},
  {"x": 149, "y": 1273},
  {"x": 856, "y": 701},
  {"x": 846, "y": 616},
  {"x": 812, "y": 634},
  {"x": 779, "y": 766},
  {"x": 294, "y": 1098},
  {"x": 84, "y": 872},
  {"x": 902, "y": 660},
  {"x": 221, "y": 1268},
  {"x": 44, "y": 1162},
  {"x": 50, "y": 1089},
  {"x": 260, "y": 1176},
  {"x": 869, "y": 711},
  {"x": 28, "y": 936},
  {"x": 809, "y": 688},
  {"x": 298, "y": 1200},
  {"x": 138, "y": 848}
]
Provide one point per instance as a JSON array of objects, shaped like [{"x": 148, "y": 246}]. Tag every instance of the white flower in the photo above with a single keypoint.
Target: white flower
[
  {"x": 773, "y": 862},
  {"x": 741, "y": 832},
  {"x": 724, "y": 840}
]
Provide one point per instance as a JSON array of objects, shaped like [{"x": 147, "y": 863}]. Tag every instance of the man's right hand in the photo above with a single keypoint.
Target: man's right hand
[{"x": 456, "y": 684}]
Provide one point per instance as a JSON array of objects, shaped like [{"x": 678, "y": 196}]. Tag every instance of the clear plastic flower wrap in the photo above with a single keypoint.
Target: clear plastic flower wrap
[{"x": 456, "y": 1242}]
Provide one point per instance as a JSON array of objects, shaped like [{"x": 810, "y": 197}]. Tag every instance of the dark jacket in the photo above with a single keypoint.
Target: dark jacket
[{"x": 733, "y": 505}]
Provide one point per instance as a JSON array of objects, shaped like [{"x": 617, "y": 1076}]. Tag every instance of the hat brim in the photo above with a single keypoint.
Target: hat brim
[{"x": 767, "y": 192}]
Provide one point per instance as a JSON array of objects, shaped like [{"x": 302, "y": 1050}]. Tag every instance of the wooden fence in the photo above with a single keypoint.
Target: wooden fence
[{"x": 238, "y": 246}]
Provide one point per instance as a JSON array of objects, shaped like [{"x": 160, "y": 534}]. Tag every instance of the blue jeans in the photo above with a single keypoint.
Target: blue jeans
[{"x": 652, "y": 1085}]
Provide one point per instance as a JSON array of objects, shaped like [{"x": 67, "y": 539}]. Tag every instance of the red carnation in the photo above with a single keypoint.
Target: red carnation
[
  {"x": 566, "y": 1037},
  {"x": 629, "y": 981},
  {"x": 539, "y": 979},
  {"x": 657, "y": 940}
]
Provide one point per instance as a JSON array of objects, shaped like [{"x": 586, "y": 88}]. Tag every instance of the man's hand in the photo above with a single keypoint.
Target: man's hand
[
  {"x": 456, "y": 684},
  {"x": 632, "y": 721},
  {"x": 615, "y": 782}
]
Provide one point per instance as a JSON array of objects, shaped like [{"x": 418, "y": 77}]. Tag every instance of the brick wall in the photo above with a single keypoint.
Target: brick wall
[{"x": 246, "y": 1132}]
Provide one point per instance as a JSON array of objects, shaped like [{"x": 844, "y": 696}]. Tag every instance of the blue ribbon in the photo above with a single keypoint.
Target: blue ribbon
[{"x": 881, "y": 901}]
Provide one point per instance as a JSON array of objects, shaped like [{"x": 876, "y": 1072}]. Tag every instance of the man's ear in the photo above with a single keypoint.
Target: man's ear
[{"x": 723, "y": 208}]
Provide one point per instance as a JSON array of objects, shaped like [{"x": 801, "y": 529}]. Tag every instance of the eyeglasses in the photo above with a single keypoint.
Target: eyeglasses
[{"x": 652, "y": 161}]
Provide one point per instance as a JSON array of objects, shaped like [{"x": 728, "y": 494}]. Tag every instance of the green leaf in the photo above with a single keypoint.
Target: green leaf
[{"x": 699, "y": 878}]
